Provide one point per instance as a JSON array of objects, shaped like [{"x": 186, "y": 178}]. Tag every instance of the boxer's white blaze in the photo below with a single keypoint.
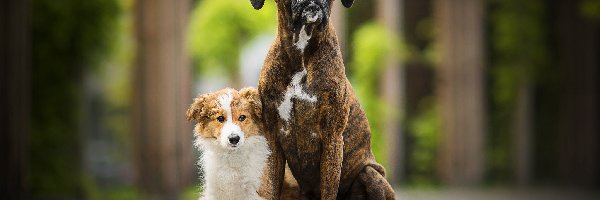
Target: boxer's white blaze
[
  {"x": 303, "y": 39},
  {"x": 294, "y": 91}
]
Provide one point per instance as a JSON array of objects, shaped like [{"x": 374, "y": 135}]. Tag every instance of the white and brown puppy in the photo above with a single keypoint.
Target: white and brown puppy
[
  {"x": 313, "y": 119},
  {"x": 228, "y": 131}
]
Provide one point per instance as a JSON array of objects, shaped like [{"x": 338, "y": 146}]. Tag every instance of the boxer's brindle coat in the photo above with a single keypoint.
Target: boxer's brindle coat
[{"x": 312, "y": 116}]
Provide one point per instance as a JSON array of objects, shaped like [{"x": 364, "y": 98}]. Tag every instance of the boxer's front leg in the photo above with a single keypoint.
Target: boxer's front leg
[
  {"x": 331, "y": 166},
  {"x": 333, "y": 124}
]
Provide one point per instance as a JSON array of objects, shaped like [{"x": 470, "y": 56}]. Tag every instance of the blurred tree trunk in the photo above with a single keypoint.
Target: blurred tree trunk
[
  {"x": 578, "y": 129},
  {"x": 522, "y": 134},
  {"x": 14, "y": 94},
  {"x": 162, "y": 136},
  {"x": 392, "y": 90},
  {"x": 460, "y": 90},
  {"x": 338, "y": 16}
]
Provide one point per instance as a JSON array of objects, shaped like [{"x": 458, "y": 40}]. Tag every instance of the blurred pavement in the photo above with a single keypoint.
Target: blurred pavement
[{"x": 498, "y": 194}]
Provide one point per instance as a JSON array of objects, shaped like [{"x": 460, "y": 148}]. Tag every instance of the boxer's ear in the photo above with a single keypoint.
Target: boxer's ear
[
  {"x": 257, "y": 4},
  {"x": 347, "y": 3}
]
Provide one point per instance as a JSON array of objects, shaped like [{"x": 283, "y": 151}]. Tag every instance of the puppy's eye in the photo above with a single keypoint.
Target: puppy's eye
[
  {"x": 221, "y": 119},
  {"x": 242, "y": 118}
]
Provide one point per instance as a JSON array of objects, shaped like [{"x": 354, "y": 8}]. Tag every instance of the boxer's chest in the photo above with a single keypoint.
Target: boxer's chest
[
  {"x": 298, "y": 99},
  {"x": 298, "y": 118}
]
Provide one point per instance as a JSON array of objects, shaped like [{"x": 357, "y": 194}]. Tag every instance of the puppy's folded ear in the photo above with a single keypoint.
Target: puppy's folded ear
[
  {"x": 347, "y": 3},
  {"x": 251, "y": 95},
  {"x": 257, "y": 4},
  {"x": 194, "y": 113}
]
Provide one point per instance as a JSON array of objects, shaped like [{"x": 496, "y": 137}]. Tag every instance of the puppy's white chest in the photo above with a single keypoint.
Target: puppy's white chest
[{"x": 233, "y": 175}]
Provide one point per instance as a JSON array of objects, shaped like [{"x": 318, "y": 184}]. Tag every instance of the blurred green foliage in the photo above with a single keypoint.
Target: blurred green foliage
[
  {"x": 120, "y": 193},
  {"x": 372, "y": 44},
  {"x": 518, "y": 49},
  {"x": 115, "y": 76},
  {"x": 424, "y": 130},
  {"x": 68, "y": 37},
  {"x": 219, "y": 29},
  {"x": 590, "y": 9},
  {"x": 191, "y": 193},
  {"x": 422, "y": 122}
]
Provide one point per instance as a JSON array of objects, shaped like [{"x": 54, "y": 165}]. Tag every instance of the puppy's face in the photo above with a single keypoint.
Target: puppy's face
[
  {"x": 309, "y": 13},
  {"x": 227, "y": 116}
]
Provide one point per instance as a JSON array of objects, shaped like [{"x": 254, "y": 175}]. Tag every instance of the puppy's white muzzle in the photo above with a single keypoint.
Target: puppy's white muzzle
[{"x": 232, "y": 136}]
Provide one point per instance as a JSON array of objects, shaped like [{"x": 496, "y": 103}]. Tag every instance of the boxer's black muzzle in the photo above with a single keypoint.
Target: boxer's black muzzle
[{"x": 309, "y": 13}]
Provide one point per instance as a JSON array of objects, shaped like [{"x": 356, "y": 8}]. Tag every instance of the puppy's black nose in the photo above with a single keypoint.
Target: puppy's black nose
[{"x": 234, "y": 139}]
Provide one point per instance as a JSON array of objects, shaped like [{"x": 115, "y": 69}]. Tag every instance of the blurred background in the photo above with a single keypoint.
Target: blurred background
[{"x": 467, "y": 99}]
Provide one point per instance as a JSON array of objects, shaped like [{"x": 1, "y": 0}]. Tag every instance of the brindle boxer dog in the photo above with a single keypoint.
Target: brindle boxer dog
[{"x": 313, "y": 118}]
